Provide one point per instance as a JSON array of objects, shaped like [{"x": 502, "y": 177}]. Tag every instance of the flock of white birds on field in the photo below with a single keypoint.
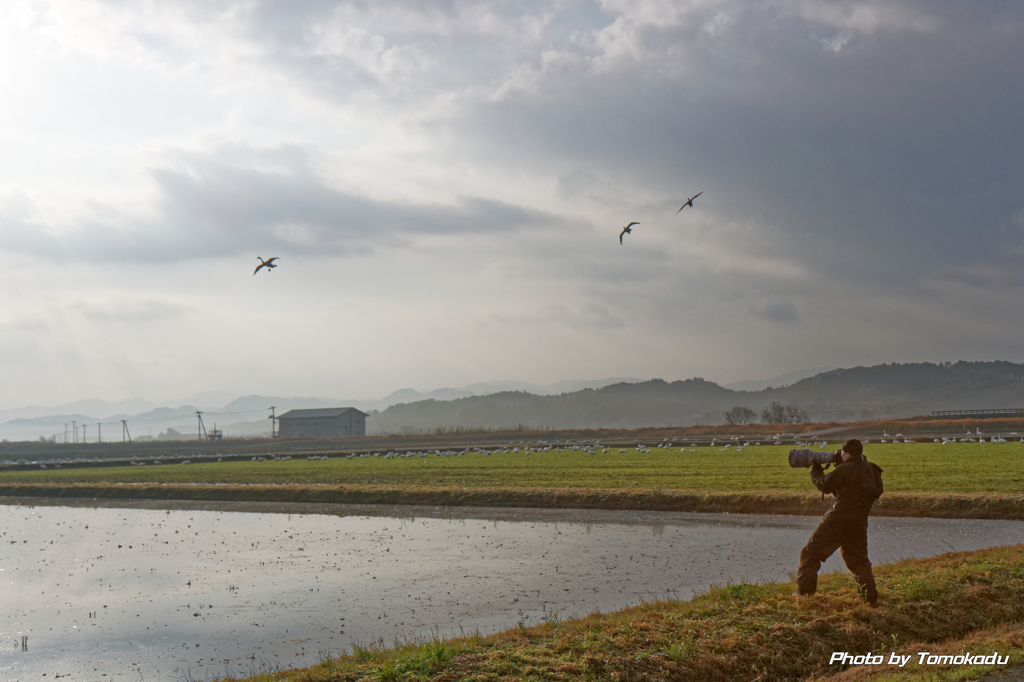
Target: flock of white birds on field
[
  {"x": 589, "y": 446},
  {"x": 970, "y": 438},
  {"x": 583, "y": 446},
  {"x": 976, "y": 437}
]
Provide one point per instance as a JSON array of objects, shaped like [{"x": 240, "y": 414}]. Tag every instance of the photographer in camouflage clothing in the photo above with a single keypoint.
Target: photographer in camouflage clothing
[{"x": 856, "y": 484}]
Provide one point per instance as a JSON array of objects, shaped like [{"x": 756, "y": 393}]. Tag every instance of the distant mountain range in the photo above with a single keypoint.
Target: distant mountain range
[
  {"x": 233, "y": 415},
  {"x": 783, "y": 380},
  {"x": 881, "y": 391}
]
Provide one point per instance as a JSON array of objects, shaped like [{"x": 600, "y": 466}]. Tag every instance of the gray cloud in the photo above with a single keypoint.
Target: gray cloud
[
  {"x": 779, "y": 312},
  {"x": 27, "y": 324},
  {"x": 590, "y": 317},
  {"x": 806, "y": 116},
  {"x": 133, "y": 311},
  {"x": 896, "y": 153},
  {"x": 230, "y": 201},
  {"x": 395, "y": 53}
]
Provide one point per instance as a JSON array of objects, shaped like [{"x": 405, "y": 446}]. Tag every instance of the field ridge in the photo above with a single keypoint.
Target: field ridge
[{"x": 930, "y": 505}]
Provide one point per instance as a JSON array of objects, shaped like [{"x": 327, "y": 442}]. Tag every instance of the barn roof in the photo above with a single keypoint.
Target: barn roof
[{"x": 320, "y": 412}]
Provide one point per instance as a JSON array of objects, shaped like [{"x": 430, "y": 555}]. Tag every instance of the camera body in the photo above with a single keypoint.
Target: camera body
[{"x": 803, "y": 459}]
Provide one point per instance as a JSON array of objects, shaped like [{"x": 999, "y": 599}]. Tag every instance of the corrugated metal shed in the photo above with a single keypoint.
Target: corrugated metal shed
[
  {"x": 319, "y": 412},
  {"x": 323, "y": 422}
]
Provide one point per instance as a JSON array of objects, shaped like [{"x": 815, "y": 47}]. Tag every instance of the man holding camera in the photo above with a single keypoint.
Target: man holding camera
[{"x": 856, "y": 484}]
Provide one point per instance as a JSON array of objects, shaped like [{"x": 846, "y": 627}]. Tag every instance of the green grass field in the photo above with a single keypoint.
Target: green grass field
[{"x": 919, "y": 468}]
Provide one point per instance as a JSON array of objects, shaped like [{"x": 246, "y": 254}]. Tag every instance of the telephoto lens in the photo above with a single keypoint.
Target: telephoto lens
[{"x": 803, "y": 459}]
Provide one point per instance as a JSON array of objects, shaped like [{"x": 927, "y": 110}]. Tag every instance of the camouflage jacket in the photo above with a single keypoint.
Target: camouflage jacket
[{"x": 856, "y": 485}]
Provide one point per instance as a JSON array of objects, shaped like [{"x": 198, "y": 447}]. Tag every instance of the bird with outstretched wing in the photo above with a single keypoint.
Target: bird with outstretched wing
[
  {"x": 627, "y": 230},
  {"x": 269, "y": 264},
  {"x": 689, "y": 202}
]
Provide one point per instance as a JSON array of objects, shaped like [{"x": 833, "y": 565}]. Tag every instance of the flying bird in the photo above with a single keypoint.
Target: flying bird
[
  {"x": 689, "y": 202},
  {"x": 626, "y": 230},
  {"x": 269, "y": 264}
]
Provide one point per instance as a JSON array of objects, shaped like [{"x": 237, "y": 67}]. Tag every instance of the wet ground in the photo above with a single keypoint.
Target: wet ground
[{"x": 93, "y": 592}]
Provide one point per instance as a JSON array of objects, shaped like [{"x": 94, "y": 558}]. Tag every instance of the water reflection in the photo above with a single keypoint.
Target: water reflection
[{"x": 207, "y": 589}]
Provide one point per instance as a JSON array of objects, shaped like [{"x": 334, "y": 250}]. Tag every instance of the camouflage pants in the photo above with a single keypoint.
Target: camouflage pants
[{"x": 830, "y": 535}]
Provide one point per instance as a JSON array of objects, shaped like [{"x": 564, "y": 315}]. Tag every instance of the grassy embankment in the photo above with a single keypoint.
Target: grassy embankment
[
  {"x": 955, "y": 604},
  {"x": 968, "y": 480}
]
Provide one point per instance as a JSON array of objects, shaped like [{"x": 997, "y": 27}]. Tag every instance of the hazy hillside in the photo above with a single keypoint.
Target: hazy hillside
[
  {"x": 905, "y": 390},
  {"x": 882, "y": 391},
  {"x": 839, "y": 395},
  {"x": 621, "y": 405}
]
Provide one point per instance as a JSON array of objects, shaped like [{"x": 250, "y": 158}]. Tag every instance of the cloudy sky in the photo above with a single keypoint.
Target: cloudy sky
[{"x": 444, "y": 184}]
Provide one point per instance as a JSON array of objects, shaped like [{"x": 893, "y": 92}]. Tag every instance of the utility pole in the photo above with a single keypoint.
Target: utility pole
[
  {"x": 65, "y": 433},
  {"x": 99, "y": 432},
  {"x": 84, "y": 439},
  {"x": 202, "y": 427},
  {"x": 125, "y": 431},
  {"x": 74, "y": 431},
  {"x": 273, "y": 420}
]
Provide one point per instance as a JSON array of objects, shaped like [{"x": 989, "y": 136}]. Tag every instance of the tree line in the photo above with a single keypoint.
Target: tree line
[{"x": 775, "y": 413}]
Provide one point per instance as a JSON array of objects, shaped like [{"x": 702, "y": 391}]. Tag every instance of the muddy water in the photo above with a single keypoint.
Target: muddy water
[{"x": 210, "y": 589}]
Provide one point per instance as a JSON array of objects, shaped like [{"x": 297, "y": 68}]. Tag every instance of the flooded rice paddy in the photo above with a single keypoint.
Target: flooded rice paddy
[{"x": 95, "y": 592}]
